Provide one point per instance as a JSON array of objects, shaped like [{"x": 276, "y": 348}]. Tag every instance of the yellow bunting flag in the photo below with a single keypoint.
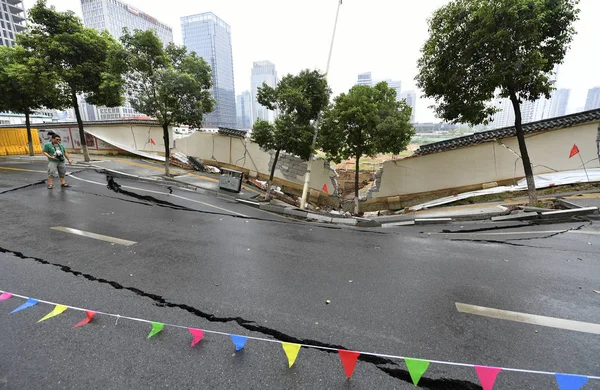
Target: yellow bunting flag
[
  {"x": 291, "y": 351},
  {"x": 58, "y": 309}
]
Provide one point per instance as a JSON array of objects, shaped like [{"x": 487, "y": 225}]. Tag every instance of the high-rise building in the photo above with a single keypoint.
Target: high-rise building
[
  {"x": 411, "y": 99},
  {"x": 593, "y": 99},
  {"x": 396, "y": 86},
  {"x": 114, "y": 16},
  {"x": 263, "y": 72},
  {"x": 210, "y": 38},
  {"x": 244, "y": 110},
  {"x": 364, "y": 79},
  {"x": 505, "y": 116},
  {"x": 12, "y": 21},
  {"x": 559, "y": 103}
]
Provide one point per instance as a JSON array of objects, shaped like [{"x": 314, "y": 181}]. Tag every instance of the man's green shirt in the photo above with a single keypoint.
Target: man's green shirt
[{"x": 49, "y": 148}]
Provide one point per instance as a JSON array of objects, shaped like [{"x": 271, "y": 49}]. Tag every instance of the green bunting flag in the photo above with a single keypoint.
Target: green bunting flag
[
  {"x": 157, "y": 327},
  {"x": 416, "y": 368}
]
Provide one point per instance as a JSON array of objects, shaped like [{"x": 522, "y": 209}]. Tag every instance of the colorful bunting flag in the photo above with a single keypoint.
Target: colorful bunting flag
[
  {"x": 291, "y": 351},
  {"x": 574, "y": 151},
  {"x": 30, "y": 302},
  {"x": 416, "y": 368},
  {"x": 157, "y": 327},
  {"x": 349, "y": 359},
  {"x": 570, "y": 382},
  {"x": 90, "y": 314},
  {"x": 238, "y": 341},
  {"x": 58, "y": 309},
  {"x": 197, "y": 335},
  {"x": 5, "y": 296},
  {"x": 487, "y": 376}
]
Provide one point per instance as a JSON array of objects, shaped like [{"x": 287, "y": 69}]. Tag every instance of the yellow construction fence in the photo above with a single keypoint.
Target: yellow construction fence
[{"x": 14, "y": 141}]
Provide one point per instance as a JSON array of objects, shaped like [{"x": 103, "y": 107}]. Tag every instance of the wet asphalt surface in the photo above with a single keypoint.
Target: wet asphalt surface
[{"x": 207, "y": 262}]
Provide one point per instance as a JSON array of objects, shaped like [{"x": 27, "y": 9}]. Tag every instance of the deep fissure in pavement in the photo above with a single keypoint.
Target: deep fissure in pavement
[
  {"x": 379, "y": 362},
  {"x": 37, "y": 183}
]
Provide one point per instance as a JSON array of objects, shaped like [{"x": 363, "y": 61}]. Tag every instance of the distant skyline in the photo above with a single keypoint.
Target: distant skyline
[{"x": 379, "y": 36}]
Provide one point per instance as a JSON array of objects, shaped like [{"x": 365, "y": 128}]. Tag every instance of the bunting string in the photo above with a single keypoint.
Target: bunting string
[{"x": 240, "y": 340}]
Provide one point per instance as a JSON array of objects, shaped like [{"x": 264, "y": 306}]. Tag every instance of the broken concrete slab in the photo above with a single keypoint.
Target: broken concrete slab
[
  {"x": 398, "y": 224},
  {"x": 529, "y": 209},
  {"x": 569, "y": 213},
  {"x": 364, "y": 222},
  {"x": 432, "y": 221},
  {"x": 318, "y": 217},
  {"x": 248, "y": 202},
  {"x": 517, "y": 217},
  {"x": 344, "y": 221},
  {"x": 271, "y": 208},
  {"x": 294, "y": 212}
]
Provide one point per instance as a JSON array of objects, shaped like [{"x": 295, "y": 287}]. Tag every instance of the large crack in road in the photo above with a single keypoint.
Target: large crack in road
[{"x": 388, "y": 366}]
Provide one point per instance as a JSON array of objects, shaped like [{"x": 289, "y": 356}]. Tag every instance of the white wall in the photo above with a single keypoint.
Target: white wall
[
  {"x": 489, "y": 162},
  {"x": 245, "y": 154}
]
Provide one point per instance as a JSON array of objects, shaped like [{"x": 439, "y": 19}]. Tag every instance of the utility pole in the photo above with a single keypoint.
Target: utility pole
[{"x": 314, "y": 141}]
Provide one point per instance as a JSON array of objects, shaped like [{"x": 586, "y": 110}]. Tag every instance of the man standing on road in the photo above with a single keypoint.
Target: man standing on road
[{"x": 56, "y": 154}]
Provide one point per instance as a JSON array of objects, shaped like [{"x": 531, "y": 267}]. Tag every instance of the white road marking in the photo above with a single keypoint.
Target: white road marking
[
  {"x": 533, "y": 319},
  {"x": 521, "y": 233},
  {"x": 166, "y": 194},
  {"x": 94, "y": 235}
]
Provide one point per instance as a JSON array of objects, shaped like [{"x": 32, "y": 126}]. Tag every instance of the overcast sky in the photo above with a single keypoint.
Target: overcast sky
[{"x": 380, "y": 36}]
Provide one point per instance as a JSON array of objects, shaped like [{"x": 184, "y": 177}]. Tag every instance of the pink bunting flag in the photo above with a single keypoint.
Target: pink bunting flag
[
  {"x": 5, "y": 296},
  {"x": 349, "y": 359},
  {"x": 197, "y": 335},
  {"x": 487, "y": 376},
  {"x": 90, "y": 314}
]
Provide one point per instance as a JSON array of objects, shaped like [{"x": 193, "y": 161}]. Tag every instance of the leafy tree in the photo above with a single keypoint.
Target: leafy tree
[
  {"x": 168, "y": 84},
  {"x": 365, "y": 121},
  {"x": 299, "y": 101},
  {"x": 84, "y": 60},
  {"x": 26, "y": 85},
  {"x": 477, "y": 48}
]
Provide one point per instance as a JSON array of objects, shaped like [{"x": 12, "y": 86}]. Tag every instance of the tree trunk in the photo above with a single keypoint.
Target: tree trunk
[
  {"x": 268, "y": 194},
  {"x": 356, "y": 177},
  {"x": 86, "y": 155},
  {"x": 167, "y": 148},
  {"x": 523, "y": 149},
  {"x": 29, "y": 137}
]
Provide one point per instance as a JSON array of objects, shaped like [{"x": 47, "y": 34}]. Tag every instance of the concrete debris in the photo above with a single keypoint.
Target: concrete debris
[
  {"x": 541, "y": 181},
  {"x": 211, "y": 169}
]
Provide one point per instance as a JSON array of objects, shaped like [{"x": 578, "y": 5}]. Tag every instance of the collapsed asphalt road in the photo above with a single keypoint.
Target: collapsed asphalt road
[{"x": 205, "y": 262}]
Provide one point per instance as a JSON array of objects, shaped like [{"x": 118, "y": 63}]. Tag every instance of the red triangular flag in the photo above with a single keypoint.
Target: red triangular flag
[
  {"x": 349, "y": 359},
  {"x": 197, "y": 335},
  {"x": 325, "y": 188},
  {"x": 487, "y": 376},
  {"x": 152, "y": 141},
  {"x": 574, "y": 151},
  {"x": 90, "y": 315}
]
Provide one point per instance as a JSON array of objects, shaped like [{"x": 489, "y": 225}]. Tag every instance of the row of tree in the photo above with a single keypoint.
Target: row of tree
[
  {"x": 477, "y": 49},
  {"x": 365, "y": 121},
  {"x": 57, "y": 59}
]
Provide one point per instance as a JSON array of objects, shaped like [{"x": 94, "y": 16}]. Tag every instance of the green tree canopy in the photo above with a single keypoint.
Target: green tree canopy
[
  {"x": 84, "y": 59},
  {"x": 27, "y": 84},
  {"x": 478, "y": 49},
  {"x": 168, "y": 84},
  {"x": 298, "y": 100},
  {"x": 365, "y": 121}
]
